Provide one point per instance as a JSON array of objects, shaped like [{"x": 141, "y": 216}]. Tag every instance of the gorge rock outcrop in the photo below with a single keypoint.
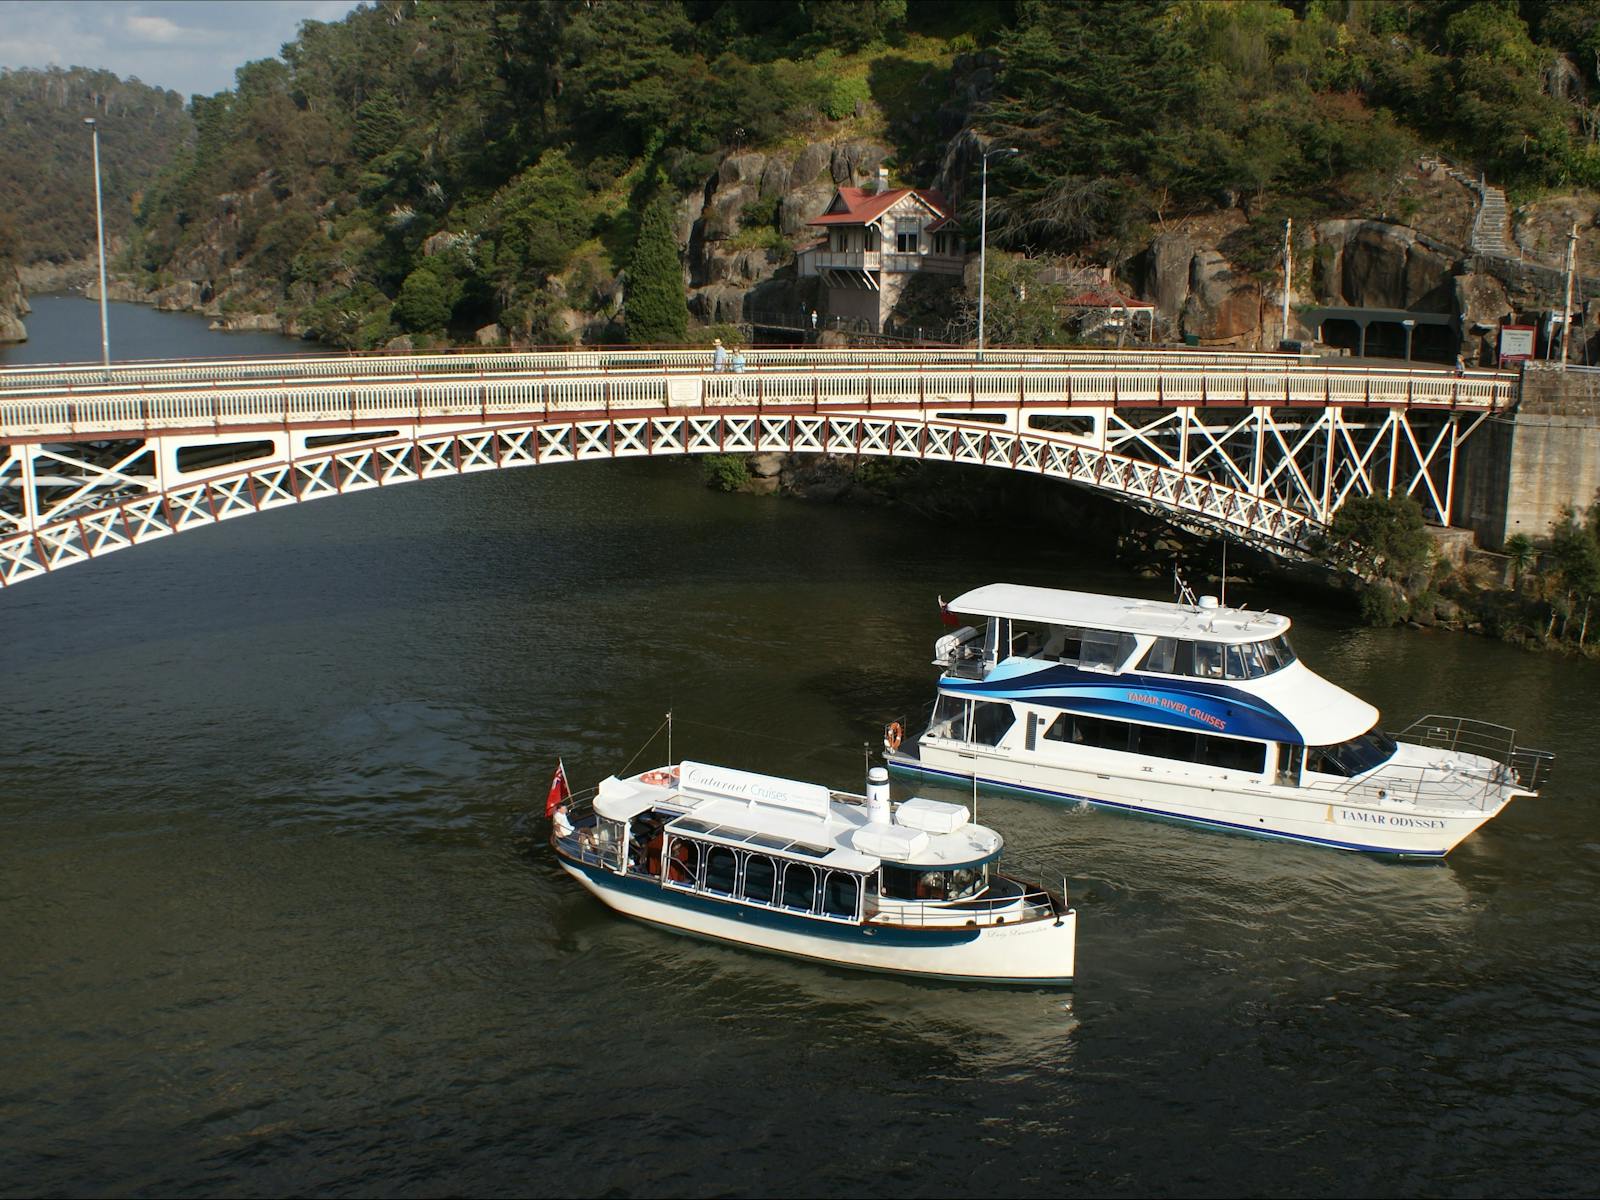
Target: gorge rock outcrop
[{"x": 13, "y": 305}]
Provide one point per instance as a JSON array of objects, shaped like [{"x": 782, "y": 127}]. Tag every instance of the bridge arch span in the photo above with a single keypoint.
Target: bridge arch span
[{"x": 1266, "y": 452}]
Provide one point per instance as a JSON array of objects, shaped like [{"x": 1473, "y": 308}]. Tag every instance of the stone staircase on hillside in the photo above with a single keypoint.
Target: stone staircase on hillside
[{"x": 1489, "y": 226}]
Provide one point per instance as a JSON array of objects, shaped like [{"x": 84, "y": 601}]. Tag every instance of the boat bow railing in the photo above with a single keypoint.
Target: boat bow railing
[{"x": 1527, "y": 769}]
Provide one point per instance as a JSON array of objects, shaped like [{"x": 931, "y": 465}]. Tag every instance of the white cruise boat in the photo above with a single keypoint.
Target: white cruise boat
[
  {"x": 1200, "y": 713},
  {"x": 780, "y": 865}
]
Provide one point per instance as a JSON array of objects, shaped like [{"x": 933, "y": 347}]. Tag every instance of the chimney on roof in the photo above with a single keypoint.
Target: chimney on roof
[{"x": 883, "y": 181}]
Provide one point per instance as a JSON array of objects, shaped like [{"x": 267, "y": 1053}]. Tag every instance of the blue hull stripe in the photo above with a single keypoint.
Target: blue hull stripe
[
  {"x": 1155, "y": 700},
  {"x": 879, "y": 935},
  {"x": 909, "y": 767}
]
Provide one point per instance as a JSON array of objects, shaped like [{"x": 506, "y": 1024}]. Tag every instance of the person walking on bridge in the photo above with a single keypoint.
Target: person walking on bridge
[{"x": 719, "y": 356}]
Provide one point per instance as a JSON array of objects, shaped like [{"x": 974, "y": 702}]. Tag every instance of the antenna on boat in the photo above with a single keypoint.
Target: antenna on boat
[
  {"x": 974, "y": 795},
  {"x": 669, "y": 737},
  {"x": 1222, "y": 592}
]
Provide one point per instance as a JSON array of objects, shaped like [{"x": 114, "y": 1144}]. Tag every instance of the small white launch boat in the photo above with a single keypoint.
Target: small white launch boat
[{"x": 794, "y": 868}]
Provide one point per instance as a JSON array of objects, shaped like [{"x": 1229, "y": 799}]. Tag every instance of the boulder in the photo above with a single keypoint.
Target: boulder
[
  {"x": 1221, "y": 305},
  {"x": 854, "y": 161},
  {"x": 685, "y": 216},
  {"x": 718, "y": 304},
  {"x": 723, "y": 210},
  {"x": 490, "y": 335},
  {"x": 800, "y": 205},
  {"x": 1167, "y": 277},
  {"x": 1374, "y": 266},
  {"x": 741, "y": 168},
  {"x": 809, "y": 163},
  {"x": 766, "y": 466},
  {"x": 12, "y": 307},
  {"x": 1429, "y": 280},
  {"x": 1483, "y": 304},
  {"x": 742, "y": 267},
  {"x": 774, "y": 178}
]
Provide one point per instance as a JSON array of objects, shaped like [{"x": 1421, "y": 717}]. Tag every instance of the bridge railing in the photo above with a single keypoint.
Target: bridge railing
[
  {"x": 126, "y": 408},
  {"x": 691, "y": 359}
]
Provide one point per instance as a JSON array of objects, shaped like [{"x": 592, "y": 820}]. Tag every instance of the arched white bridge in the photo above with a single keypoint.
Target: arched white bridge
[{"x": 1264, "y": 447}]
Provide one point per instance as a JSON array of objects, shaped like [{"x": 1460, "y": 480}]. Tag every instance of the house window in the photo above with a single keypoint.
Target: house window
[
  {"x": 874, "y": 238},
  {"x": 841, "y": 240},
  {"x": 907, "y": 235}
]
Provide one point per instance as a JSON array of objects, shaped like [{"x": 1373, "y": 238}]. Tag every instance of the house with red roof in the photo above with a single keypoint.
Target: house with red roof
[{"x": 873, "y": 243}]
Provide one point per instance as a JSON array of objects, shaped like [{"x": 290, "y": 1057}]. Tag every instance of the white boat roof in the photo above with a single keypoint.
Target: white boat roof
[
  {"x": 1122, "y": 614},
  {"x": 783, "y": 817},
  {"x": 1323, "y": 712}
]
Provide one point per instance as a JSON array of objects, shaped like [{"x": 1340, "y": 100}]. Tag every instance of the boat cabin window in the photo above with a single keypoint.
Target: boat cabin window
[
  {"x": 760, "y": 879},
  {"x": 799, "y": 887},
  {"x": 1103, "y": 650},
  {"x": 1355, "y": 757},
  {"x": 1161, "y": 656},
  {"x": 949, "y": 718},
  {"x": 841, "y": 895},
  {"x": 908, "y": 883},
  {"x": 683, "y": 862},
  {"x": 1160, "y": 741},
  {"x": 1089, "y": 731},
  {"x": 608, "y": 837},
  {"x": 1208, "y": 660},
  {"x": 644, "y": 843},
  {"x": 985, "y": 722},
  {"x": 990, "y": 721},
  {"x": 722, "y": 868},
  {"x": 1216, "y": 660}
]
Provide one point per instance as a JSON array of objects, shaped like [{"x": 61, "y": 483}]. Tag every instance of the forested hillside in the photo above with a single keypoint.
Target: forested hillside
[
  {"x": 46, "y": 164},
  {"x": 426, "y": 167}
]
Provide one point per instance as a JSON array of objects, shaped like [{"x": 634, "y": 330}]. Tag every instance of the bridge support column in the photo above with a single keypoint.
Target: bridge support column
[{"x": 1518, "y": 472}]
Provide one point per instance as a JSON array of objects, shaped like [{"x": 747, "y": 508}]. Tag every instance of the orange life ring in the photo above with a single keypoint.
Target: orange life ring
[
  {"x": 663, "y": 778},
  {"x": 893, "y": 735}
]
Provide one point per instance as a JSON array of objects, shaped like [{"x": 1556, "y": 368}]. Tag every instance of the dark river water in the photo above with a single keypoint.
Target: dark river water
[{"x": 276, "y": 918}]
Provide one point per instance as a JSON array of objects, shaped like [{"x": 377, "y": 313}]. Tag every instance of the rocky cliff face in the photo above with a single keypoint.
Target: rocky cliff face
[
  {"x": 740, "y": 232},
  {"x": 13, "y": 305},
  {"x": 1208, "y": 279}
]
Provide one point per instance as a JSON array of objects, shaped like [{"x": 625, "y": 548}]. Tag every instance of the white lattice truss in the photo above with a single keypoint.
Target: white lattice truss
[{"x": 1259, "y": 454}]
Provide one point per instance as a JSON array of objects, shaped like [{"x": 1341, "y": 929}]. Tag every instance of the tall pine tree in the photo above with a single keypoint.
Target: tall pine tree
[{"x": 657, "y": 308}]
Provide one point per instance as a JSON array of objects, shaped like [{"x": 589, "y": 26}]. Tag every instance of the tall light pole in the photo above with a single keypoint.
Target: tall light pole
[
  {"x": 100, "y": 227},
  {"x": 983, "y": 233}
]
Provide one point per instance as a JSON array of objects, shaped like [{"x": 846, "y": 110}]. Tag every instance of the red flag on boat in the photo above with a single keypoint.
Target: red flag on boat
[
  {"x": 559, "y": 791},
  {"x": 949, "y": 618}
]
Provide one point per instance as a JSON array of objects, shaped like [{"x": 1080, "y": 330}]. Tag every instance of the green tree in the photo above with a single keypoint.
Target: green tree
[
  {"x": 1380, "y": 538},
  {"x": 541, "y": 217},
  {"x": 380, "y": 122},
  {"x": 1521, "y": 553},
  {"x": 657, "y": 309},
  {"x": 852, "y": 24},
  {"x": 426, "y": 300}
]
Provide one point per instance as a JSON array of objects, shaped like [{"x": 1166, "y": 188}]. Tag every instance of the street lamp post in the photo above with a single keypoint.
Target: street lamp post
[
  {"x": 100, "y": 228},
  {"x": 983, "y": 233}
]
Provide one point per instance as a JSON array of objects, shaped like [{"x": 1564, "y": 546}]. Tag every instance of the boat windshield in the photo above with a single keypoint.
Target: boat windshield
[
  {"x": 908, "y": 883},
  {"x": 1355, "y": 757}
]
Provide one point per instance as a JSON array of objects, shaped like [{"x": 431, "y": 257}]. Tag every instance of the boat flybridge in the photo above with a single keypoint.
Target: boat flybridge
[
  {"x": 795, "y": 868},
  {"x": 1201, "y": 713}
]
